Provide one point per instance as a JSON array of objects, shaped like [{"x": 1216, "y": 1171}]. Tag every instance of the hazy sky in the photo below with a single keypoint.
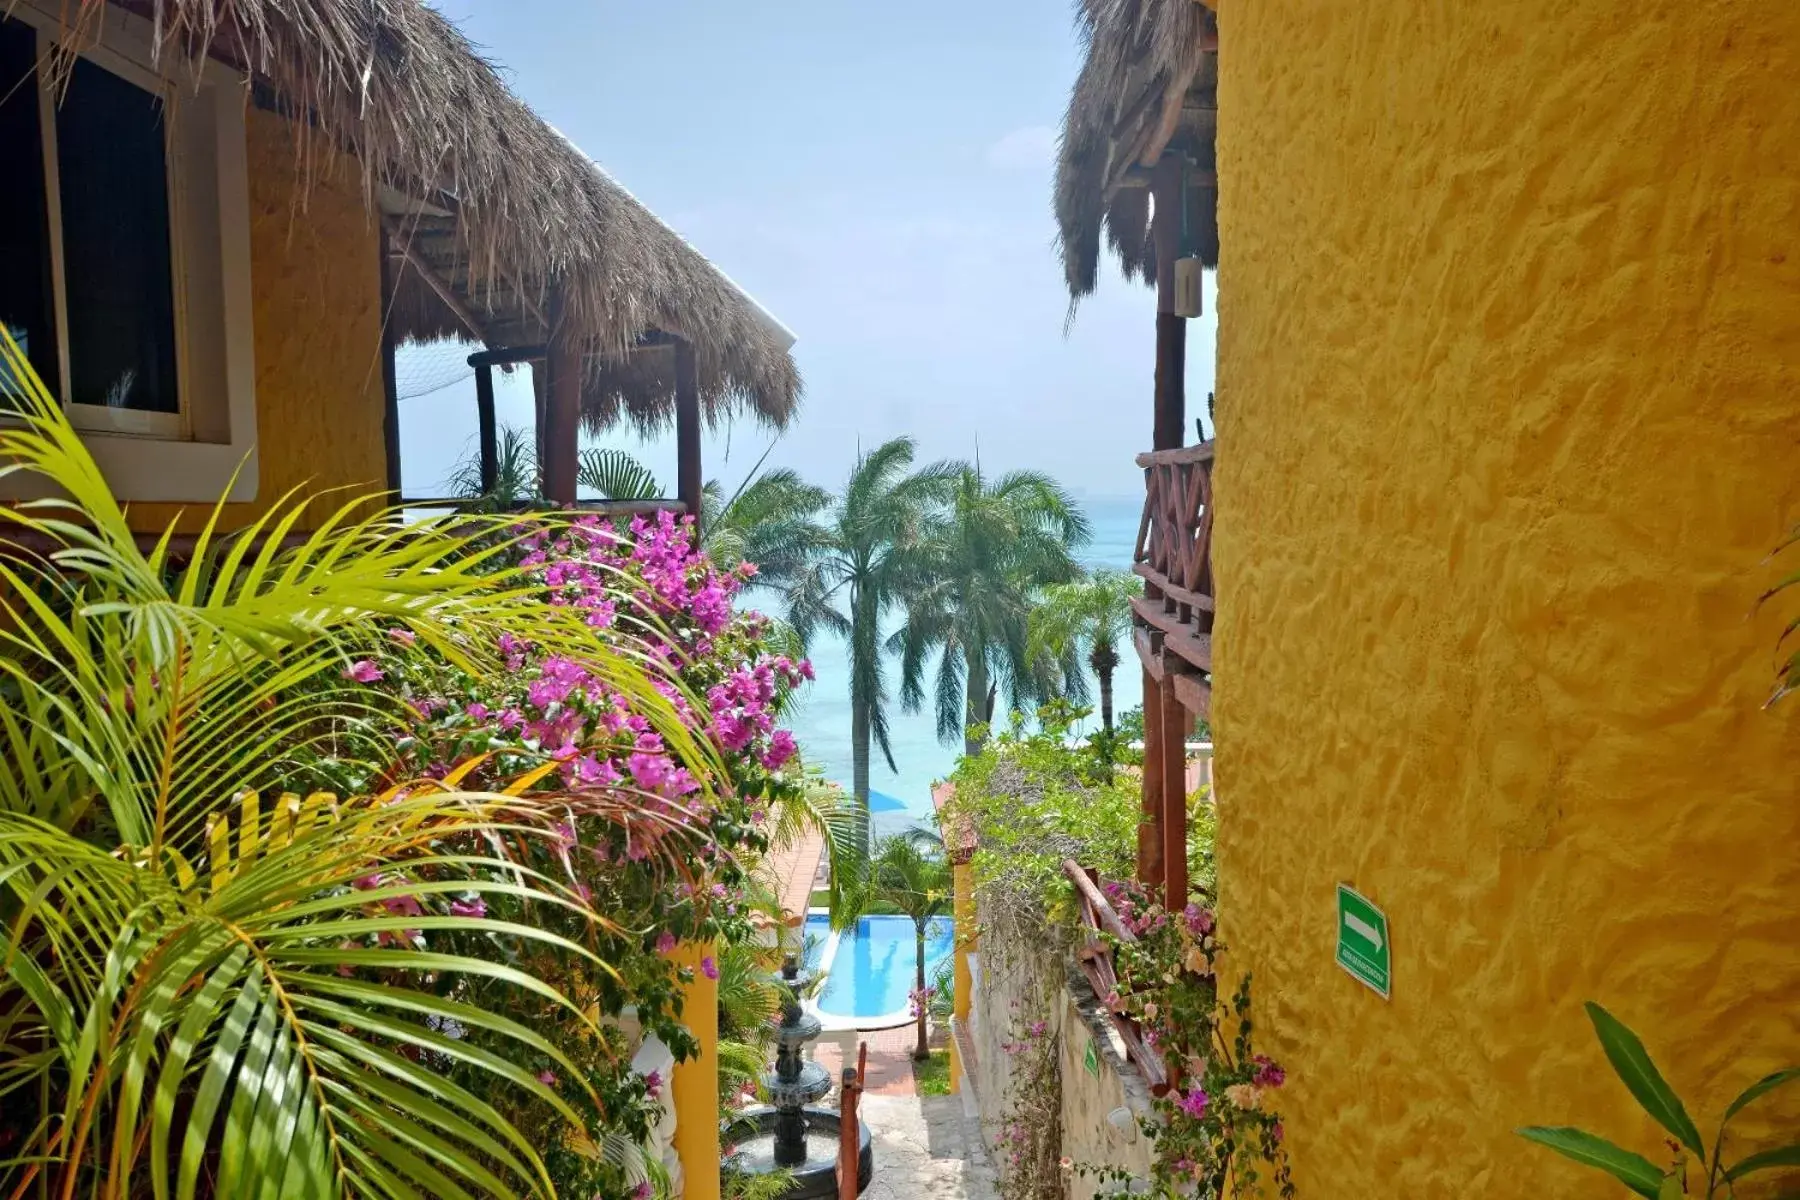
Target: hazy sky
[{"x": 878, "y": 177}]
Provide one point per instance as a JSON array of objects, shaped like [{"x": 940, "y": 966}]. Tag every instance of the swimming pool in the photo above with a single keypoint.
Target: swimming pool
[{"x": 871, "y": 967}]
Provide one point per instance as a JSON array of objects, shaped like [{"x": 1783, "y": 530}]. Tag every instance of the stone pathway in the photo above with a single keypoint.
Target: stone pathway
[{"x": 926, "y": 1147}]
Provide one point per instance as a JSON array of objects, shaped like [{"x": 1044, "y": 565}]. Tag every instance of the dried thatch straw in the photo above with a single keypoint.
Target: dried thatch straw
[
  {"x": 1137, "y": 53},
  {"x": 511, "y": 209}
]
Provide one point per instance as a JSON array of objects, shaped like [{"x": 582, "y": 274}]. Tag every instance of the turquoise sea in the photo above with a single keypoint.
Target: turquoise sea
[{"x": 821, "y": 720}]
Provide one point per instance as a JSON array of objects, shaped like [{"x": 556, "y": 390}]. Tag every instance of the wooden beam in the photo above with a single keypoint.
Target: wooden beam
[
  {"x": 1168, "y": 120},
  {"x": 1170, "y": 425},
  {"x": 390, "y": 384},
  {"x": 690, "y": 481},
  {"x": 1176, "y": 727},
  {"x": 1150, "y": 835},
  {"x": 446, "y": 293},
  {"x": 1149, "y": 651},
  {"x": 562, "y": 409},
  {"x": 1178, "y": 637},
  {"x": 507, "y": 356},
  {"x": 1171, "y": 591},
  {"x": 1195, "y": 695},
  {"x": 487, "y": 434}
]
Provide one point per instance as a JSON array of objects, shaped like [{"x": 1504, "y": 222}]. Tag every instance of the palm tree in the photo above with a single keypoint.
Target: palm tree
[
  {"x": 982, "y": 561},
  {"x": 173, "y": 1004},
  {"x": 771, "y": 521},
  {"x": 850, "y": 571},
  {"x": 910, "y": 874},
  {"x": 1092, "y": 614}
]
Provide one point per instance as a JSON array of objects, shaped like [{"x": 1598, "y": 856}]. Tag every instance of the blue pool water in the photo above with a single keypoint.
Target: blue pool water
[{"x": 872, "y": 970}]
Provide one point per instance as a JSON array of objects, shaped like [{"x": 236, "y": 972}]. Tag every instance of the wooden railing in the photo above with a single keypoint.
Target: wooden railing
[
  {"x": 615, "y": 508},
  {"x": 1174, "y": 550},
  {"x": 1095, "y": 958}
]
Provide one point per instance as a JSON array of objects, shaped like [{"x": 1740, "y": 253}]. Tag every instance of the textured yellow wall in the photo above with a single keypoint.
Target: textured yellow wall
[
  {"x": 1509, "y": 408},
  {"x": 316, "y": 277}
]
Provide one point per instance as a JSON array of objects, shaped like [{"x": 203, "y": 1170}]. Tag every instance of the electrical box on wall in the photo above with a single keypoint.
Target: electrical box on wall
[{"x": 1187, "y": 287}]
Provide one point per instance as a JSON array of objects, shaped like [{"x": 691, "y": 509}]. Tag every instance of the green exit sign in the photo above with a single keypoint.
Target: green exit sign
[{"x": 1363, "y": 946}]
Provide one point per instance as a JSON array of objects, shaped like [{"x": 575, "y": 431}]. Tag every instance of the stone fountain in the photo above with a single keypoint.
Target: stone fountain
[{"x": 789, "y": 1133}]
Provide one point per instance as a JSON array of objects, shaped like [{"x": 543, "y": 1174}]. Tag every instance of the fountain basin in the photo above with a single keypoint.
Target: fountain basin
[{"x": 753, "y": 1133}]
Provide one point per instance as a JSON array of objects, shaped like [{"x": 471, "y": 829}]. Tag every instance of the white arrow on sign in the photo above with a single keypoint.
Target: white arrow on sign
[{"x": 1368, "y": 931}]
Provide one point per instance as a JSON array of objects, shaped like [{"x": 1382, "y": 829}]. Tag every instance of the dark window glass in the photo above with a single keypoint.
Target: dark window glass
[
  {"x": 117, "y": 268},
  {"x": 27, "y": 304}
]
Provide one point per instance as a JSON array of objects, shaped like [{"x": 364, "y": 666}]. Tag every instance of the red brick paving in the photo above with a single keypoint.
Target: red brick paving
[
  {"x": 793, "y": 869},
  {"x": 890, "y": 1059}
]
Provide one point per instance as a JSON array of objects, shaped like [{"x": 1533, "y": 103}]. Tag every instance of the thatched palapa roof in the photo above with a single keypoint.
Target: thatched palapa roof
[
  {"x": 497, "y": 213},
  {"x": 1148, "y": 85}
]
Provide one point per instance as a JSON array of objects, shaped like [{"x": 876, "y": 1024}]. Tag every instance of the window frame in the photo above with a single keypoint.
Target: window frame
[
  {"x": 98, "y": 417},
  {"x": 207, "y": 450}
]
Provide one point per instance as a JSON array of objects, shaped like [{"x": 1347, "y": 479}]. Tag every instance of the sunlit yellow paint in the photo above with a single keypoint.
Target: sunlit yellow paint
[
  {"x": 1509, "y": 415},
  {"x": 962, "y": 893},
  {"x": 316, "y": 285},
  {"x": 696, "y": 1081}
]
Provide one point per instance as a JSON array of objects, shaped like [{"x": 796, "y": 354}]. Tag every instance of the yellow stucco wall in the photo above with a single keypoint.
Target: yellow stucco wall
[
  {"x": 1509, "y": 416},
  {"x": 316, "y": 278}
]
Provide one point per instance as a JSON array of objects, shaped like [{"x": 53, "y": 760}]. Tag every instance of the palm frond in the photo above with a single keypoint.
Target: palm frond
[{"x": 616, "y": 475}]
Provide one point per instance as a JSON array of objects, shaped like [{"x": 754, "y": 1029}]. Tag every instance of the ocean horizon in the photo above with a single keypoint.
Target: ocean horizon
[{"x": 820, "y": 717}]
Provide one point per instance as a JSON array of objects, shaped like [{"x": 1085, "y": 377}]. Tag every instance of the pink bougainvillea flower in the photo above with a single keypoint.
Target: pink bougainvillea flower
[
  {"x": 547, "y": 1078},
  {"x": 468, "y": 908},
  {"x": 405, "y": 637},
  {"x": 1194, "y": 1102},
  {"x": 709, "y": 968},
  {"x": 653, "y": 1084},
  {"x": 665, "y": 942},
  {"x": 362, "y": 671},
  {"x": 1268, "y": 1073},
  {"x": 404, "y": 906},
  {"x": 781, "y": 748}
]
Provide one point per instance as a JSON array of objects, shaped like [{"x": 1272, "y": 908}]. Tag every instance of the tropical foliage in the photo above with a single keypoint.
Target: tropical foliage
[
  {"x": 610, "y": 473},
  {"x": 1091, "y": 615},
  {"x": 516, "y": 475},
  {"x": 907, "y": 874},
  {"x": 330, "y": 861},
  {"x": 1216, "y": 1132},
  {"x": 983, "y": 556},
  {"x": 209, "y": 990},
  {"x": 853, "y": 566},
  {"x": 1694, "y": 1168},
  {"x": 678, "y": 865}
]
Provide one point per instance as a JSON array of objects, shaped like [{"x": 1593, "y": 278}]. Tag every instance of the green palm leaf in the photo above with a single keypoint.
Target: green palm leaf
[
  {"x": 616, "y": 475},
  {"x": 170, "y": 966}
]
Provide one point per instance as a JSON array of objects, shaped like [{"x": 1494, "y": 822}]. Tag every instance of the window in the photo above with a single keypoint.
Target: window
[{"x": 124, "y": 253}]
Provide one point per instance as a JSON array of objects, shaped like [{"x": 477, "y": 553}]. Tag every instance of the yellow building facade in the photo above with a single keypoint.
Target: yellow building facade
[
  {"x": 1508, "y": 410},
  {"x": 315, "y": 277}
]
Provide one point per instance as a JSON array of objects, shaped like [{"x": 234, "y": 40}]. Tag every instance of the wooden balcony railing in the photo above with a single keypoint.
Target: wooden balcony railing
[
  {"x": 1173, "y": 639},
  {"x": 1095, "y": 958},
  {"x": 1174, "y": 551}
]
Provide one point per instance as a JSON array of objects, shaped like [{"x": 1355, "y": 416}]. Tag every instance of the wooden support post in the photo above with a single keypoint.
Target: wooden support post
[
  {"x": 1150, "y": 834},
  {"x": 1175, "y": 727},
  {"x": 690, "y": 484},
  {"x": 484, "y": 419},
  {"x": 390, "y": 387},
  {"x": 1171, "y": 330},
  {"x": 562, "y": 408},
  {"x": 849, "y": 1163}
]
